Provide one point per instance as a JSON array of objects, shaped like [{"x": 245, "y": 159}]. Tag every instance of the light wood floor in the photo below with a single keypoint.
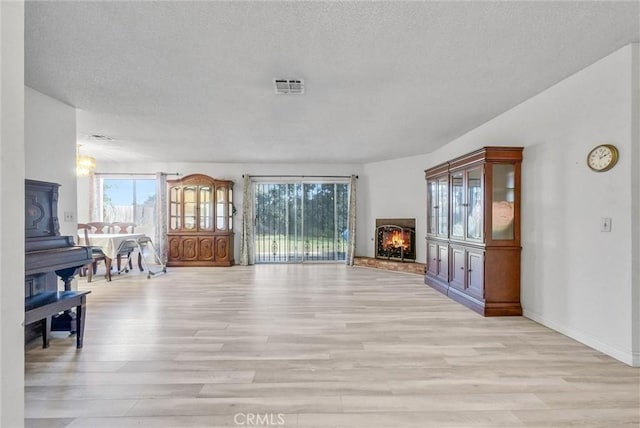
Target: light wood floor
[{"x": 314, "y": 346}]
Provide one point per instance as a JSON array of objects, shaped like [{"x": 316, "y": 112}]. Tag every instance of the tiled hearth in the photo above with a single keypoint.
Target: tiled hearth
[{"x": 414, "y": 268}]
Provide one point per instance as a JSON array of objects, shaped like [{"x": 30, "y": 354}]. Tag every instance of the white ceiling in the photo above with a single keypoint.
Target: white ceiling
[{"x": 193, "y": 81}]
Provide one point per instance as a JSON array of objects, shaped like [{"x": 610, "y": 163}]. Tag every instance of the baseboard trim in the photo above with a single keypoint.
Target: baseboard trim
[{"x": 630, "y": 358}]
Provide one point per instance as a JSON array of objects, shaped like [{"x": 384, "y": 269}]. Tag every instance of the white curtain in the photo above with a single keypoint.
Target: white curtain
[
  {"x": 160, "y": 239},
  {"x": 94, "y": 198},
  {"x": 351, "y": 241},
  {"x": 247, "y": 254}
]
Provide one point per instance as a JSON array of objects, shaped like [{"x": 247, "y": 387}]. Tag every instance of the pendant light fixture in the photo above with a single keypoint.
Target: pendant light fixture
[{"x": 85, "y": 165}]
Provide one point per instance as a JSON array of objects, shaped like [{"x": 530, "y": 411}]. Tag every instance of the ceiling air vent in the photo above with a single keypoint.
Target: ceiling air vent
[
  {"x": 99, "y": 137},
  {"x": 288, "y": 86}
]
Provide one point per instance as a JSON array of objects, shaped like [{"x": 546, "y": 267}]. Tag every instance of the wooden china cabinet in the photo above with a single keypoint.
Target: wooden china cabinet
[
  {"x": 473, "y": 230},
  {"x": 200, "y": 230}
]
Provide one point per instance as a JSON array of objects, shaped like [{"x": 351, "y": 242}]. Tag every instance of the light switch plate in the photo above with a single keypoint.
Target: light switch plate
[
  {"x": 69, "y": 216},
  {"x": 605, "y": 224}
]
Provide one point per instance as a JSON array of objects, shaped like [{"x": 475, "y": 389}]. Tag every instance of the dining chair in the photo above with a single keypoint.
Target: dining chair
[
  {"x": 124, "y": 227},
  {"x": 96, "y": 253},
  {"x": 100, "y": 227}
]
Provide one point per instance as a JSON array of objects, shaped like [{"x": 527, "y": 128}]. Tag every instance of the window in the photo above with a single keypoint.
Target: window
[{"x": 128, "y": 199}]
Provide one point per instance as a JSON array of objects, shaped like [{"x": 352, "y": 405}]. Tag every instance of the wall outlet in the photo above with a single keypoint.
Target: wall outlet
[
  {"x": 69, "y": 216},
  {"x": 605, "y": 224}
]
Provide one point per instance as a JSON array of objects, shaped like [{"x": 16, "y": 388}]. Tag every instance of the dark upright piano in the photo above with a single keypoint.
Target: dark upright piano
[{"x": 47, "y": 254}]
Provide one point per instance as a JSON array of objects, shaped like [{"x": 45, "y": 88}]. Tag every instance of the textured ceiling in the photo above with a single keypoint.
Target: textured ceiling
[{"x": 192, "y": 81}]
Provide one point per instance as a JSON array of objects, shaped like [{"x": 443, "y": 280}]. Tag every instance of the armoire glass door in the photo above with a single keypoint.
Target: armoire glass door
[
  {"x": 475, "y": 206},
  {"x": 443, "y": 207},
  {"x": 206, "y": 208},
  {"x": 221, "y": 208},
  {"x": 175, "y": 208},
  {"x": 457, "y": 205},
  {"x": 432, "y": 207},
  {"x": 190, "y": 195}
]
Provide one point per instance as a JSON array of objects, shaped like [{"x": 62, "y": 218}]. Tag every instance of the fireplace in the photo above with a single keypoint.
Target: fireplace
[{"x": 395, "y": 239}]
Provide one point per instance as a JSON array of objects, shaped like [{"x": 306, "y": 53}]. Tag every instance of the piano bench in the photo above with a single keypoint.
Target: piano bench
[{"x": 42, "y": 306}]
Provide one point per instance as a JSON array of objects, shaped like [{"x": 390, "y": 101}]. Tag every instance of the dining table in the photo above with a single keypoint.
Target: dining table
[{"x": 110, "y": 245}]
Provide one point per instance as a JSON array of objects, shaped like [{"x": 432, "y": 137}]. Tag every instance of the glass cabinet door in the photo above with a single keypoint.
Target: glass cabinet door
[
  {"x": 443, "y": 207},
  {"x": 474, "y": 204},
  {"x": 457, "y": 205},
  {"x": 175, "y": 208},
  {"x": 206, "y": 208},
  {"x": 432, "y": 206},
  {"x": 221, "y": 205},
  {"x": 502, "y": 207},
  {"x": 230, "y": 209},
  {"x": 190, "y": 207}
]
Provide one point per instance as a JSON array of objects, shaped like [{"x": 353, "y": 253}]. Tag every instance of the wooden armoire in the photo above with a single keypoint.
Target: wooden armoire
[
  {"x": 473, "y": 230},
  {"x": 200, "y": 229}
]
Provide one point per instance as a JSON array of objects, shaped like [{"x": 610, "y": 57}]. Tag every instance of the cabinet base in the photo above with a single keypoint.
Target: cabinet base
[
  {"x": 484, "y": 308},
  {"x": 436, "y": 285},
  {"x": 500, "y": 309},
  {"x": 179, "y": 263}
]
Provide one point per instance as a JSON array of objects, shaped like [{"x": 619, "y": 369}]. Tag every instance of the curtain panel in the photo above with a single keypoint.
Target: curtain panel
[
  {"x": 160, "y": 239},
  {"x": 95, "y": 197},
  {"x": 351, "y": 241},
  {"x": 247, "y": 252}
]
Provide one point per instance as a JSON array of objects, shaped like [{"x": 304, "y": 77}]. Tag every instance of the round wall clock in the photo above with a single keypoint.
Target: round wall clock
[{"x": 603, "y": 157}]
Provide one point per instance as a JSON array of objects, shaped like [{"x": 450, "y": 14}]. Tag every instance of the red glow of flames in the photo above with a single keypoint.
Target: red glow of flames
[{"x": 396, "y": 239}]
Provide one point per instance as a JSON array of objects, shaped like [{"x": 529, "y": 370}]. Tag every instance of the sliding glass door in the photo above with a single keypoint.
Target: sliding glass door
[{"x": 301, "y": 221}]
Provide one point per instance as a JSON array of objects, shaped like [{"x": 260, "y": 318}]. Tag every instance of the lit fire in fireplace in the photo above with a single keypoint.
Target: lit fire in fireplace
[{"x": 396, "y": 239}]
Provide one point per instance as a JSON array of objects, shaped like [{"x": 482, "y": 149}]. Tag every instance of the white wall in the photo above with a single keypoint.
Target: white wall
[
  {"x": 392, "y": 189},
  {"x": 11, "y": 213},
  {"x": 395, "y": 189},
  {"x": 228, "y": 171},
  {"x": 575, "y": 278},
  {"x": 635, "y": 200},
  {"x": 50, "y": 150}
]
